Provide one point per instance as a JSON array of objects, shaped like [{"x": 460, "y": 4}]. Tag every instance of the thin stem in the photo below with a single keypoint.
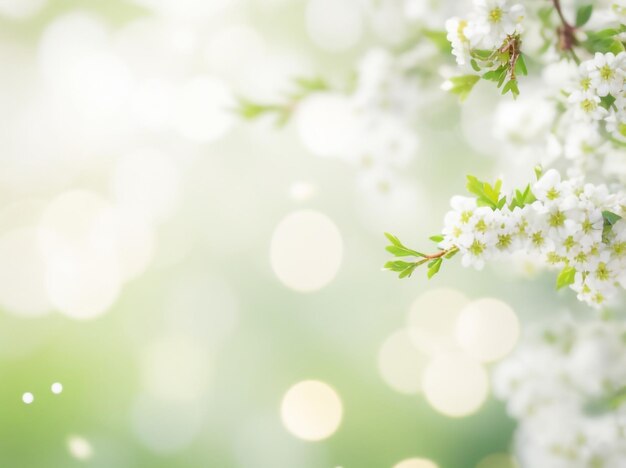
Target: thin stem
[
  {"x": 441, "y": 253},
  {"x": 567, "y": 36},
  {"x": 559, "y": 10}
]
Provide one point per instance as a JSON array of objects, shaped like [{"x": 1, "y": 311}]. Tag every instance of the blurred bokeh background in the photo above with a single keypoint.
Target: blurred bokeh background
[{"x": 209, "y": 291}]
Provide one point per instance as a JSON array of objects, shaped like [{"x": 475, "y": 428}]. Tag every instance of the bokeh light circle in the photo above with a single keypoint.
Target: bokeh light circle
[
  {"x": 311, "y": 410},
  {"x": 146, "y": 182},
  {"x": 83, "y": 277},
  {"x": 22, "y": 274},
  {"x": 306, "y": 250},
  {"x": 175, "y": 368},
  {"x": 416, "y": 463},
  {"x": 433, "y": 318},
  {"x": 401, "y": 364},
  {"x": 498, "y": 460},
  {"x": 455, "y": 385},
  {"x": 487, "y": 329},
  {"x": 334, "y": 25},
  {"x": 203, "y": 110},
  {"x": 79, "y": 447},
  {"x": 327, "y": 125},
  {"x": 21, "y": 9},
  {"x": 166, "y": 427}
]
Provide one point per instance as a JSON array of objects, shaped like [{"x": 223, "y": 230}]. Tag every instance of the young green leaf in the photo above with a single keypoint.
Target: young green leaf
[
  {"x": 433, "y": 267},
  {"x": 566, "y": 277},
  {"x": 610, "y": 218},
  {"x": 583, "y": 15},
  {"x": 462, "y": 85},
  {"x": 440, "y": 39},
  {"x": 520, "y": 66},
  {"x": 398, "y": 249},
  {"x": 408, "y": 271},
  {"x": 486, "y": 195},
  {"x": 607, "y": 101},
  {"x": 398, "y": 265},
  {"x": 403, "y": 251}
]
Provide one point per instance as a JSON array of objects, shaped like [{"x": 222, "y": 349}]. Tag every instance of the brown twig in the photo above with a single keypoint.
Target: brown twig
[
  {"x": 566, "y": 32},
  {"x": 512, "y": 46},
  {"x": 439, "y": 254}
]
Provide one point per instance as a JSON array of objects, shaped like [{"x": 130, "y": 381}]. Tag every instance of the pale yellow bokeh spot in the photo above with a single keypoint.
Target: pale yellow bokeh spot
[{"x": 311, "y": 410}]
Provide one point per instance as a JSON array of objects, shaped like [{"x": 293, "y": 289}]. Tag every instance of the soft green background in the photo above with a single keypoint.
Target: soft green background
[{"x": 234, "y": 195}]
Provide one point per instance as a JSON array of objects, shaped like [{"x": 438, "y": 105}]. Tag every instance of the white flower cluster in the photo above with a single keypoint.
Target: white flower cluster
[
  {"x": 564, "y": 384},
  {"x": 373, "y": 126},
  {"x": 619, "y": 10},
  {"x": 488, "y": 26},
  {"x": 565, "y": 225},
  {"x": 600, "y": 94}
]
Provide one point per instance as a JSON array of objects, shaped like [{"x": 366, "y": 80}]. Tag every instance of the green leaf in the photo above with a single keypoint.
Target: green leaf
[
  {"x": 607, "y": 101},
  {"x": 475, "y": 65},
  {"x": 440, "y": 39},
  {"x": 408, "y": 271},
  {"x": 566, "y": 277},
  {"x": 452, "y": 253},
  {"x": 512, "y": 87},
  {"x": 610, "y": 218},
  {"x": 398, "y": 265},
  {"x": 311, "y": 84},
  {"x": 393, "y": 239},
  {"x": 544, "y": 15},
  {"x": 398, "y": 249},
  {"x": 607, "y": 229},
  {"x": 521, "y": 199},
  {"x": 495, "y": 75},
  {"x": 486, "y": 195},
  {"x": 520, "y": 66},
  {"x": 433, "y": 267},
  {"x": 583, "y": 14},
  {"x": 481, "y": 54},
  {"x": 251, "y": 110},
  {"x": 438, "y": 238},
  {"x": 403, "y": 251},
  {"x": 463, "y": 85},
  {"x": 604, "y": 41}
]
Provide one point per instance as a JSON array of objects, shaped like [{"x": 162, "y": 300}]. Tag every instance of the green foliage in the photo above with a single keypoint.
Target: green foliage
[
  {"x": 609, "y": 220},
  {"x": 583, "y": 15},
  {"x": 511, "y": 86},
  {"x": 304, "y": 86},
  {"x": 463, "y": 85},
  {"x": 520, "y": 66},
  {"x": 440, "y": 39},
  {"x": 604, "y": 41},
  {"x": 486, "y": 194},
  {"x": 607, "y": 101},
  {"x": 545, "y": 15},
  {"x": 500, "y": 75},
  {"x": 406, "y": 268},
  {"x": 433, "y": 267},
  {"x": 521, "y": 199},
  {"x": 566, "y": 277},
  {"x": 398, "y": 249}
]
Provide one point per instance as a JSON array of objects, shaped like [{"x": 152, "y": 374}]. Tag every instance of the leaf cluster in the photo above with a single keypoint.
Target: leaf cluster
[
  {"x": 282, "y": 111},
  {"x": 406, "y": 268}
]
